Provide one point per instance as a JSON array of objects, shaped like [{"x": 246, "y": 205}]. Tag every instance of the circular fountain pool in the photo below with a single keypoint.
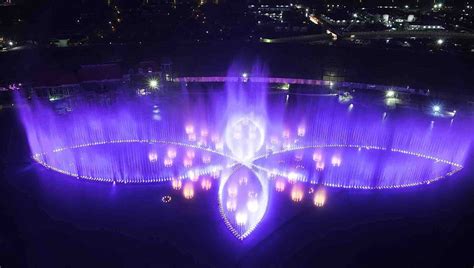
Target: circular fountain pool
[{"x": 249, "y": 143}]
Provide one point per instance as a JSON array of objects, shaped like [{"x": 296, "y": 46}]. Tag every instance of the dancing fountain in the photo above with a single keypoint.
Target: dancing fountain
[{"x": 248, "y": 141}]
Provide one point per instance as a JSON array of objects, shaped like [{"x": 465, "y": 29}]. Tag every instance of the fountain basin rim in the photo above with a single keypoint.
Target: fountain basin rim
[
  {"x": 458, "y": 166},
  {"x": 36, "y": 157}
]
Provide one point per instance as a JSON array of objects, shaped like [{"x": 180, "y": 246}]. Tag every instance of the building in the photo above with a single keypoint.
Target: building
[{"x": 54, "y": 83}]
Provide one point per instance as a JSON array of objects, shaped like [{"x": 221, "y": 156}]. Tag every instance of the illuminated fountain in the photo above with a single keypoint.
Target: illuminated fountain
[
  {"x": 246, "y": 143},
  {"x": 243, "y": 199}
]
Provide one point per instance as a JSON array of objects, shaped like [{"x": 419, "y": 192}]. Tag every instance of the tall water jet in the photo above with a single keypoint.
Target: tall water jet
[{"x": 246, "y": 113}]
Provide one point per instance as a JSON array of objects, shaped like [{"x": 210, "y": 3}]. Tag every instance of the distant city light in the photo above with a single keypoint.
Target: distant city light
[
  {"x": 391, "y": 98},
  {"x": 53, "y": 98},
  {"x": 266, "y": 40},
  {"x": 440, "y": 41},
  {"x": 285, "y": 86},
  {"x": 345, "y": 97},
  {"x": 153, "y": 83},
  {"x": 390, "y": 94},
  {"x": 451, "y": 113},
  {"x": 245, "y": 77}
]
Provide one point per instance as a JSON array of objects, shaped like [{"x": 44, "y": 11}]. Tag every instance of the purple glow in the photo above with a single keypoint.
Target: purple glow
[{"x": 248, "y": 138}]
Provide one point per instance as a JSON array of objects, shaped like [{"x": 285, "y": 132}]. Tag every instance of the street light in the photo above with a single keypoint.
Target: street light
[
  {"x": 245, "y": 77},
  {"x": 440, "y": 41},
  {"x": 153, "y": 83}
]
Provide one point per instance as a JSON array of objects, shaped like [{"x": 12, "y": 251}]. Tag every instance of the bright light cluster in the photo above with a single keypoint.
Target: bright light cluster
[{"x": 153, "y": 83}]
